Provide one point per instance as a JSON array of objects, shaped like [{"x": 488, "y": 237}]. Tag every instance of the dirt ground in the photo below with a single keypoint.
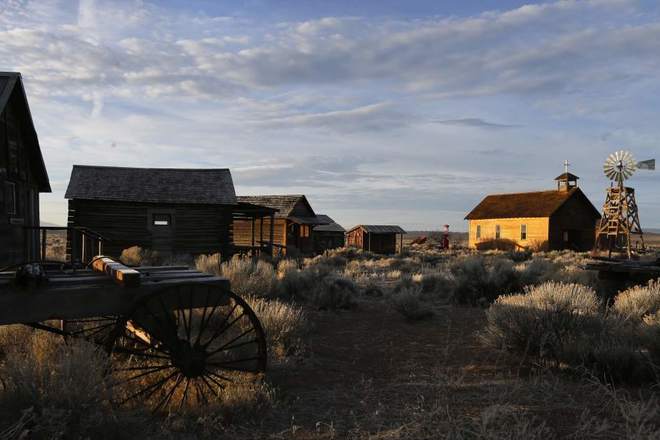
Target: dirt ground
[{"x": 368, "y": 373}]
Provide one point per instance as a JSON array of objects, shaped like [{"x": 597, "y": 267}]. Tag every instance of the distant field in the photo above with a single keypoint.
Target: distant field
[{"x": 652, "y": 240}]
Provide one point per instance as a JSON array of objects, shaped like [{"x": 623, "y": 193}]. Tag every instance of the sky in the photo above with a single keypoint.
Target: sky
[{"x": 380, "y": 111}]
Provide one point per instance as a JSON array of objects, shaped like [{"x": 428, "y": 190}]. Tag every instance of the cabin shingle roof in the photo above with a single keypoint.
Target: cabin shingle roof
[
  {"x": 285, "y": 204},
  {"x": 517, "y": 205},
  {"x": 152, "y": 185},
  {"x": 380, "y": 229},
  {"x": 329, "y": 225}
]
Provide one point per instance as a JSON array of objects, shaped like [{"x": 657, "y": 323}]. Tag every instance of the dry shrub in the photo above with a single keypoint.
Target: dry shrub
[
  {"x": 320, "y": 285},
  {"x": 248, "y": 276},
  {"x": 635, "y": 303},
  {"x": 538, "y": 270},
  {"x": 650, "y": 335},
  {"x": 43, "y": 371},
  {"x": 294, "y": 284},
  {"x": 474, "y": 282},
  {"x": 544, "y": 321},
  {"x": 136, "y": 256},
  {"x": 208, "y": 263},
  {"x": 284, "y": 324},
  {"x": 285, "y": 267},
  {"x": 335, "y": 292},
  {"x": 410, "y": 304},
  {"x": 563, "y": 323},
  {"x": 373, "y": 289}
]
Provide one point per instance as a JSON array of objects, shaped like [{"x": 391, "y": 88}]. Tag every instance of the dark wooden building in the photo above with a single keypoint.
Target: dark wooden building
[
  {"x": 328, "y": 236},
  {"x": 546, "y": 220},
  {"x": 22, "y": 175},
  {"x": 172, "y": 211},
  {"x": 292, "y": 228},
  {"x": 380, "y": 239}
]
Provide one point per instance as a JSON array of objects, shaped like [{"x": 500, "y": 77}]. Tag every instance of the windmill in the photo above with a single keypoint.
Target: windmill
[{"x": 620, "y": 215}]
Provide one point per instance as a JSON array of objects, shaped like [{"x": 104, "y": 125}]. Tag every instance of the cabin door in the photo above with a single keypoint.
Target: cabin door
[
  {"x": 570, "y": 239},
  {"x": 162, "y": 232}
]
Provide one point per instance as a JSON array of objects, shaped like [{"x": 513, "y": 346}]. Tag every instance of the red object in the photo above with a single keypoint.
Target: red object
[{"x": 445, "y": 238}]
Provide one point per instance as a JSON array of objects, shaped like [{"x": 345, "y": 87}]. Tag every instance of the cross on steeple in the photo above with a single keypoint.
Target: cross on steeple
[{"x": 566, "y": 164}]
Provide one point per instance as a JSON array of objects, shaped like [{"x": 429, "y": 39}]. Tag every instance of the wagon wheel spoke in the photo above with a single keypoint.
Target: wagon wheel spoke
[
  {"x": 100, "y": 330},
  {"x": 184, "y": 345}
]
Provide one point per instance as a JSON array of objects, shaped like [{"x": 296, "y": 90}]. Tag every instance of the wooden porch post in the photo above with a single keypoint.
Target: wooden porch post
[
  {"x": 43, "y": 244},
  {"x": 261, "y": 233},
  {"x": 252, "y": 233},
  {"x": 272, "y": 233}
]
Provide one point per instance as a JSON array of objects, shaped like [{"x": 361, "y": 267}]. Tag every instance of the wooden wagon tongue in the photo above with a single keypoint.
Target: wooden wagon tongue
[{"x": 121, "y": 274}]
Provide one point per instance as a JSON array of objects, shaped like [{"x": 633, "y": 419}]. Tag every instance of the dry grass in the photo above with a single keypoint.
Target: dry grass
[{"x": 284, "y": 324}]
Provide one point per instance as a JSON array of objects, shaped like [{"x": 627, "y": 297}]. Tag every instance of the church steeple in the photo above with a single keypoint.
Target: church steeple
[{"x": 566, "y": 181}]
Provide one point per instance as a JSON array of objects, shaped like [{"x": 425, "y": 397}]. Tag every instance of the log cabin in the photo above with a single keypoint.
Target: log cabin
[
  {"x": 23, "y": 175},
  {"x": 328, "y": 236},
  {"x": 292, "y": 226},
  {"x": 543, "y": 220},
  {"x": 379, "y": 239},
  {"x": 168, "y": 210}
]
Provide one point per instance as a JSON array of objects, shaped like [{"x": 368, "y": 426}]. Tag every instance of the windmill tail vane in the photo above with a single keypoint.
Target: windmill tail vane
[{"x": 646, "y": 165}]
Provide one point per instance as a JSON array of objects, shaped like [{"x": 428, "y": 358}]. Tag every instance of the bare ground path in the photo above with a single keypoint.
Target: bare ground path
[{"x": 370, "y": 374}]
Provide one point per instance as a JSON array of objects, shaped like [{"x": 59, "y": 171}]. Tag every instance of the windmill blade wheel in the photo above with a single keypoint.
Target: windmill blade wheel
[{"x": 182, "y": 346}]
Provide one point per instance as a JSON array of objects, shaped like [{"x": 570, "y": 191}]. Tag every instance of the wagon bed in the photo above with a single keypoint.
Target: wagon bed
[{"x": 71, "y": 294}]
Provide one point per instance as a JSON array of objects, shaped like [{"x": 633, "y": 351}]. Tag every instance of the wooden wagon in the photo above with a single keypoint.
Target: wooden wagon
[{"x": 176, "y": 337}]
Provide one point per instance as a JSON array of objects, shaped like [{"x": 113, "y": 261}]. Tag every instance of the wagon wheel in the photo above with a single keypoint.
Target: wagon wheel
[
  {"x": 101, "y": 330},
  {"x": 183, "y": 345}
]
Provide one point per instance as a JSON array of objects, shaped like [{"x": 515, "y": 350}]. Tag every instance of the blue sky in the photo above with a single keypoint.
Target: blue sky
[{"x": 379, "y": 111}]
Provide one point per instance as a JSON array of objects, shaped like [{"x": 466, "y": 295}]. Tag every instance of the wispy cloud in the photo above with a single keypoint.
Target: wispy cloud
[{"x": 474, "y": 122}]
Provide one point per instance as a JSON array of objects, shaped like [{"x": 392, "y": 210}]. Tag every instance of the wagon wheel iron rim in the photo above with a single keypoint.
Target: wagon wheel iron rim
[{"x": 184, "y": 345}]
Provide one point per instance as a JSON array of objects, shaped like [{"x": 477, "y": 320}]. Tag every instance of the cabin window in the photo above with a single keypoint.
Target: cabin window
[
  {"x": 498, "y": 232},
  {"x": 565, "y": 235},
  {"x": 523, "y": 232},
  {"x": 162, "y": 219},
  {"x": 10, "y": 198},
  {"x": 304, "y": 231},
  {"x": 478, "y": 233}
]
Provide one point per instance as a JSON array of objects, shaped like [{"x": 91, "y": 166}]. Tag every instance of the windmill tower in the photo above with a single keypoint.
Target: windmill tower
[{"x": 620, "y": 217}]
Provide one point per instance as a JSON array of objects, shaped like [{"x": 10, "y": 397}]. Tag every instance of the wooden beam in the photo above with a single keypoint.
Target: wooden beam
[{"x": 122, "y": 275}]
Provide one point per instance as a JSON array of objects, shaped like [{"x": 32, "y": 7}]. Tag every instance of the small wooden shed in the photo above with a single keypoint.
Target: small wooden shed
[
  {"x": 293, "y": 223},
  {"x": 22, "y": 175},
  {"x": 328, "y": 236},
  {"x": 380, "y": 239},
  {"x": 169, "y": 210}
]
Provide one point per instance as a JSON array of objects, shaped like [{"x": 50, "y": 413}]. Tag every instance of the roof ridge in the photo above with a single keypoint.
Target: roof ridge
[
  {"x": 149, "y": 168},
  {"x": 523, "y": 192},
  {"x": 275, "y": 195}
]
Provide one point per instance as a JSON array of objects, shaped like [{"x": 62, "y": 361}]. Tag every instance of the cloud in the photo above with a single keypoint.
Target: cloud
[
  {"x": 379, "y": 116},
  {"x": 471, "y": 56},
  {"x": 474, "y": 122}
]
